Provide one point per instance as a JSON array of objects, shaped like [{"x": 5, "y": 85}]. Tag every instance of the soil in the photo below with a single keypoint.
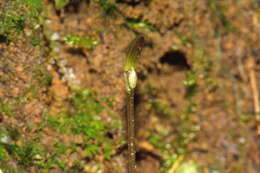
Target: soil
[{"x": 194, "y": 91}]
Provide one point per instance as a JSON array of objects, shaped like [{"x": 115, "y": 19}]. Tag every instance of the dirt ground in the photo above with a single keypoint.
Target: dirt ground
[{"x": 62, "y": 91}]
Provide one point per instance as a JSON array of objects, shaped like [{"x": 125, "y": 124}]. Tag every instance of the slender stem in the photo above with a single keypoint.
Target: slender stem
[{"x": 131, "y": 132}]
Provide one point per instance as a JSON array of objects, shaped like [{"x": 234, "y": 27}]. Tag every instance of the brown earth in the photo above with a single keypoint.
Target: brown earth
[{"x": 210, "y": 43}]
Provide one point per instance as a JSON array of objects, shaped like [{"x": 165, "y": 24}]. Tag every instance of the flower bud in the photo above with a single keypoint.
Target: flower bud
[{"x": 132, "y": 78}]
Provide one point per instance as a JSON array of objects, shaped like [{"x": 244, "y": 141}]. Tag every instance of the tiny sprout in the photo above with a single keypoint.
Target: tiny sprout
[{"x": 131, "y": 63}]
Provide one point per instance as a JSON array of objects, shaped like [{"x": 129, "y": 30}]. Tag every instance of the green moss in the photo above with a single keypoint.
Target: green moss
[
  {"x": 42, "y": 76},
  {"x": 12, "y": 23},
  {"x": 191, "y": 83},
  {"x": 35, "y": 5},
  {"x": 185, "y": 40},
  {"x": 59, "y": 148},
  {"x": 133, "y": 23},
  {"x": 6, "y": 107},
  {"x": 155, "y": 140},
  {"x": 217, "y": 10},
  {"x": 60, "y": 4},
  {"x": 35, "y": 41},
  {"x": 201, "y": 66},
  {"x": 18, "y": 14},
  {"x": 54, "y": 160},
  {"x": 109, "y": 101},
  {"x": 184, "y": 129},
  {"x": 26, "y": 96},
  {"x": 86, "y": 101},
  {"x": 84, "y": 121},
  {"x": 162, "y": 109},
  {"x": 13, "y": 133},
  {"x": 3, "y": 138},
  {"x": 89, "y": 42},
  {"x": 24, "y": 155},
  {"x": 3, "y": 154},
  {"x": 171, "y": 150},
  {"x": 9, "y": 168},
  {"x": 108, "y": 8}
]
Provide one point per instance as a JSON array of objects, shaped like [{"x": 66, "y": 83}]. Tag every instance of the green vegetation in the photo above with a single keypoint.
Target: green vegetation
[
  {"x": 42, "y": 76},
  {"x": 6, "y": 107},
  {"x": 89, "y": 42},
  {"x": 85, "y": 131},
  {"x": 183, "y": 134},
  {"x": 35, "y": 6},
  {"x": 132, "y": 23},
  {"x": 86, "y": 122},
  {"x": 223, "y": 25},
  {"x": 83, "y": 125},
  {"x": 9, "y": 106},
  {"x": 191, "y": 90},
  {"x": 108, "y": 8},
  {"x": 190, "y": 83},
  {"x": 185, "y": 129},
  {"x": 17, "y": 15},
  {"x": 173, "y": 150},
  {"x": 60, "y": 4},
  {"x": 185, "y": 40},
  {"x": 24, "y": 154},
  {"x": 162, "y": 109},
  {"x": 188, "y": 167}
]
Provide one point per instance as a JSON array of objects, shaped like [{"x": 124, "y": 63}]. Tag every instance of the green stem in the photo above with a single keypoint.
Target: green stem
[{"x": 131, "y": 132}]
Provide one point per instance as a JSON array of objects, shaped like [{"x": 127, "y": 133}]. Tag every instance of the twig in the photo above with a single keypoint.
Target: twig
[{"x": 253, "y": 83}]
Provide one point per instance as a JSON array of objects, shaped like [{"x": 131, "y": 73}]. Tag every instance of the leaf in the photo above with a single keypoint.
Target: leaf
[{"x": 135, "y": 23}]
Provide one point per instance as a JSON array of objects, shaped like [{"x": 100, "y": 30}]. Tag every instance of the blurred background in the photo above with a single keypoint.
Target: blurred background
[{"x": 62, "y": 92}]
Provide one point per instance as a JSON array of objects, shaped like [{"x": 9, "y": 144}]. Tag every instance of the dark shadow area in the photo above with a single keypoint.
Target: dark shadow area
[
  {"x": 142, "y": 77},
  {"x": 76, "y": 51},
  {"x": 74, "y": 6},
  {"x": 138, "y": 98},
  {"x": 132, "y": 3},
  {"x": 142, "y": 154},
  {"x": 175, "y": 59},
  {"x": 3, "y": 39},
  {"x": 92, "y": 71}
]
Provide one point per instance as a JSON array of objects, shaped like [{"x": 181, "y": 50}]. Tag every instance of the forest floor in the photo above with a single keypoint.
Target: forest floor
[{"x": 63, "y": 98}]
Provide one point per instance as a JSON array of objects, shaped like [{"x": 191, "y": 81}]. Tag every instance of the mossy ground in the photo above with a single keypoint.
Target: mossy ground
[{"x": 62, "y": 93}]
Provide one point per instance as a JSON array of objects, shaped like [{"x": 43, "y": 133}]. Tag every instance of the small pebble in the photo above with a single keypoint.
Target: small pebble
[{"x": 55, "y": 36}]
